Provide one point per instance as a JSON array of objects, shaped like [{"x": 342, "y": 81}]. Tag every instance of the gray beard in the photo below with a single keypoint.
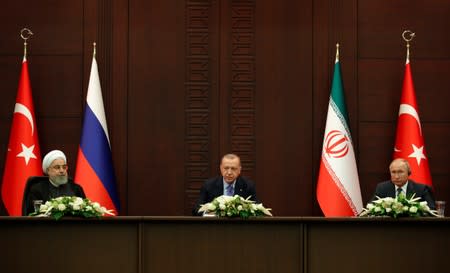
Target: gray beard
[{"x": 59, "y": 180}]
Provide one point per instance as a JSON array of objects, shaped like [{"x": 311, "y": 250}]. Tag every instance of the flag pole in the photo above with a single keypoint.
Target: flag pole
[
  {"x": 94, "y": 44},
  {"x": 407, "y": 36},
  {"x": 26, "y": 34},
  {"x": 337, "y": 53},
  {"x": 23, "y": 157}
]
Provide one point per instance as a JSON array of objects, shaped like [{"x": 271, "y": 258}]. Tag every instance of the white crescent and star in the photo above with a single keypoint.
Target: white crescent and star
[
  {"x": 417, "y": 154},
  {"x": 406, "y": 109},
  {"x": 22, "y": 109},
  {"x": 27, "y": 152}
]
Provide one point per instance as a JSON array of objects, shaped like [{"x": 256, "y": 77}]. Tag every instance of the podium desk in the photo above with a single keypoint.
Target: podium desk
[{"x": 131, "y": 244}]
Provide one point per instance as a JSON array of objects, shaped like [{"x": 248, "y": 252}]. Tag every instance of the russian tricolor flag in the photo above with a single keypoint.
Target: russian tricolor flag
[{"x": 95, "y": 170}]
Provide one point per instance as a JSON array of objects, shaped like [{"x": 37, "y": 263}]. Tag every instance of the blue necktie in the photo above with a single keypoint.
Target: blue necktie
[
  {"x": 399, "y": 191},
  {"x": 229, "y": 190}
]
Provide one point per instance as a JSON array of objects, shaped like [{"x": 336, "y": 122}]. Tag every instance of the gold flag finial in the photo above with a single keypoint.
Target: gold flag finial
[
  {"x": 337, "y": 53},
  {"x": 407, "y": 36},
  {"x": 25, "y": 33},
  {"x": 94, "y": 44}
]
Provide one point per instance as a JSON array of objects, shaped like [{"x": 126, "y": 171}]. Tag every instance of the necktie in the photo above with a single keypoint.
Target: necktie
[
  {"x": 399, "y": 191},
  {"x": 229, "y": 190}
]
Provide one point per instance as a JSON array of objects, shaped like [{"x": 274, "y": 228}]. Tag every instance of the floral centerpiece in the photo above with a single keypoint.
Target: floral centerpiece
[
  {"x": 400, "y": 206},
  {"x": 71, "y": 206},
  {"x": 234, "y": 206}
]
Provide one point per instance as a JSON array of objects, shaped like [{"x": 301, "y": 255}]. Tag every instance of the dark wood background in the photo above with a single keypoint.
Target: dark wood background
[{"x": 187, "y": 81}]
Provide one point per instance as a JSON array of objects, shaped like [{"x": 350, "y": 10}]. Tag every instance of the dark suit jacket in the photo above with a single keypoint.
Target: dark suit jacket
[
  {"x": 40, "y": 188},
  {"x": 213, "y": 188},
  {"x": 387, "y": 189}
]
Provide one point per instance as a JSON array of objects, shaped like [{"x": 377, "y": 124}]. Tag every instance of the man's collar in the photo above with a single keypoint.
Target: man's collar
[
  {"x": 226, "y": 183},
  {"x": 404, "y": 187}
]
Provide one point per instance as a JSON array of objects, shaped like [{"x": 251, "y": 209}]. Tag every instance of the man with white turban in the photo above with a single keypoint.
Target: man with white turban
[{"x": 56, "y": 183}]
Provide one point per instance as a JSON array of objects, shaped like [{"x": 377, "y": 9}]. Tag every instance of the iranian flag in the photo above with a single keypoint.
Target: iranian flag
[{"x": 338, "y": 191}]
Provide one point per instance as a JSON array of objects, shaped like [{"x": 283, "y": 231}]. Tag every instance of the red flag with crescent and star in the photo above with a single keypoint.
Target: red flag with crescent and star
[
  {"x": 23, "y": 158},
  {"x": 409, "y": 142}
]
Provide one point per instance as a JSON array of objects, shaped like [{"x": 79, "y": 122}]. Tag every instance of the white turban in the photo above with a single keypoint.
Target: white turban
[{"x": 50, "y": 157}]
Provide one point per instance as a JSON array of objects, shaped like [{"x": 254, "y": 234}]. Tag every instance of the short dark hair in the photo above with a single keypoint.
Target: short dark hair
[{"x": 231, "y": 156}]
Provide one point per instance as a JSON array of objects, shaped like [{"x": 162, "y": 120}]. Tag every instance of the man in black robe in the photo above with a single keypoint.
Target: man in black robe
[{"x": 55, "y": 184}]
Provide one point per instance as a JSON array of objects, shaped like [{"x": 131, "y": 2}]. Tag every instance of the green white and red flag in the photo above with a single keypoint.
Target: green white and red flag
[{"x": 338, "y": 191}]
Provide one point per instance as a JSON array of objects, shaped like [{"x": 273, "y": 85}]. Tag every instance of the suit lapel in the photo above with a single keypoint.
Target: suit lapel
[
  {"x": 239, "y": 187},
  {"x": 409, "y": 189},
  {"x": 391, "y": 191},
  {"x": 218, "y": 187}
]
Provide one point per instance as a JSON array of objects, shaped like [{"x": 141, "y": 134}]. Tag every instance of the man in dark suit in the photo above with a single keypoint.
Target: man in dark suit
[
  {"x": 230, "y": 183},
  {"x": 399, "y": 183}
]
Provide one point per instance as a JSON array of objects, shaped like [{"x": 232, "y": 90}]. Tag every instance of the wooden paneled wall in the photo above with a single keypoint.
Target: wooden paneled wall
[{"x": 186, "y": 81}]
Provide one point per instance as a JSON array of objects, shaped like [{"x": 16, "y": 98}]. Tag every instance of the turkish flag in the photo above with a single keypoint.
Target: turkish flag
[
  {"x": 409, "y": 143},
  {"x": 23, "y": 158}
]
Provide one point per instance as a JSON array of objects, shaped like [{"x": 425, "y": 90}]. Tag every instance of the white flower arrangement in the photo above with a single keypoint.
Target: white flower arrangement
[
  {"x": 71, "y": 206},
  {"x": 234, "y": 206},
  {"x": 400, "y": 206}
]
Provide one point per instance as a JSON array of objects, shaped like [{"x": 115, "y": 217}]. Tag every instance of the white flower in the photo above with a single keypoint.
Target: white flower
[
  {"x": 378, "y": 201},
  {"x": 99, "y": 209},
  {"x": 266, "y": 211},
  {"x": 388, "y": 201},
  {"x": 61, "y": 207},
  {"x": 424, "y": 206},
  {"x": 398, "y": 207},
  {"x": 211, "y": 207},
  {"x": 233, "y": 206},
  {"x": 71, "y": 205},
  {"x": 78, "y": 201}
]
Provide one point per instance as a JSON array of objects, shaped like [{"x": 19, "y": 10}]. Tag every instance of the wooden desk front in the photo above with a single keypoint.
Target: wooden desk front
[{"x": 195, "y": 244}]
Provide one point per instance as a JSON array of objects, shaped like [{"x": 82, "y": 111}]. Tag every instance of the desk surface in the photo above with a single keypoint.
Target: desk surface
[
  {"x": 196, "y": 244},
  {"x": 307, "y": 219}
]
